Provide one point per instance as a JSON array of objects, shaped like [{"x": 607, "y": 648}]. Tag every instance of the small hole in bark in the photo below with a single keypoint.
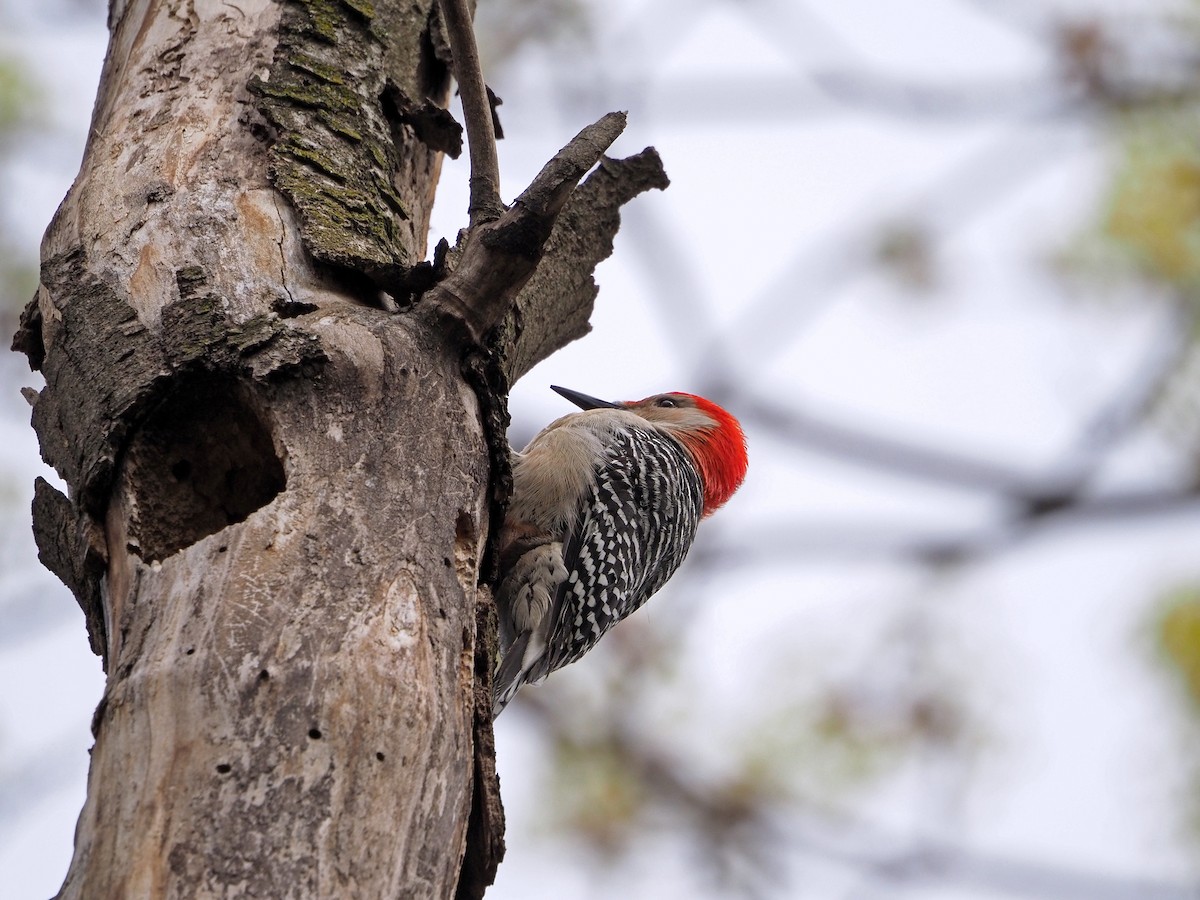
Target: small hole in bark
[
  {"x": 190, "y": 651},
  {"x": 222, "y": 549},
  {"x": 202, "y": 460},
  {"x": 465, "y": 538},
  {"x": 314, "y": 733},
  {"x": 264, "y": 675},
  {"x": 446, "y": 561},
  {"x": 287, "y": 308},
  {"x": 224, "y": 768},
  {"x": 379, "y": 756}
]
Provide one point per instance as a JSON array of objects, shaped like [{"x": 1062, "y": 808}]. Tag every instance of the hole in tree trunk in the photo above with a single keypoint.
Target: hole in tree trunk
[{"x": 204, "y": 459}]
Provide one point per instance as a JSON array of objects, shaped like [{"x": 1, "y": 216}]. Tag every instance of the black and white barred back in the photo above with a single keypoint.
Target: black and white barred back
[
  {"x": 637, "y": 528},
  {"x": 634, "y": 531}
]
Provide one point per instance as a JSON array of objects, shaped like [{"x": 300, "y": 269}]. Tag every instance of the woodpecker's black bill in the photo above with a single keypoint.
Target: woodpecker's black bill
[{"x": 583, "y": 401}]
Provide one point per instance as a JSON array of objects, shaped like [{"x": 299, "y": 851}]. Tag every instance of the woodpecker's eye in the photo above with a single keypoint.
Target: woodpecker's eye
[{"x": 665, "y": 403}]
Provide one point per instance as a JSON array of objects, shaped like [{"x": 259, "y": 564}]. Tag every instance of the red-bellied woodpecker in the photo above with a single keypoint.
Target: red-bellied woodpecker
[{"x": 604, "y": 508}]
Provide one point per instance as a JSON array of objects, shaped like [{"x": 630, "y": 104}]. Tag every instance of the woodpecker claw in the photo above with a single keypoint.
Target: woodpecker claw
[{"x": 583, "y": 401}]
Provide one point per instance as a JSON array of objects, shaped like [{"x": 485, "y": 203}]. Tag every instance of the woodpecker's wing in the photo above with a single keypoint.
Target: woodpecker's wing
[{"x": 634, "y": 531}]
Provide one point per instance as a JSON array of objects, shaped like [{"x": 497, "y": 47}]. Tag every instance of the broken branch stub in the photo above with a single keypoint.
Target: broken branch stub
[
  {"x": 554, "y": 306},
  {"x": 497, "y": 258}
]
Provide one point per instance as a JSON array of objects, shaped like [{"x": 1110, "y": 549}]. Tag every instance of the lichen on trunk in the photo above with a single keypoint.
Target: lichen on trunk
[{"x": 356, "y": 96}]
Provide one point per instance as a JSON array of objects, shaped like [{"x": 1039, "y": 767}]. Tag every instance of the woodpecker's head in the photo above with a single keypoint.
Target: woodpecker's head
[{"x": 710, "y": 434}]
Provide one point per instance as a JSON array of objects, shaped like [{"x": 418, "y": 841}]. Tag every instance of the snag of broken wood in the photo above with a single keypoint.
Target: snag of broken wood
[
  {"x": 72, "y": 546},
  {"x": 497, "y": 258},
  {"x": 555, "y": 305}
]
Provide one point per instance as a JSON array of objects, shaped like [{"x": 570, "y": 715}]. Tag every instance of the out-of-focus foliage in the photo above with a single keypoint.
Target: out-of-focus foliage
[
  {"x": 907, "y": 252},
  {"x": 1178, "y": 642},
  {"x": 508, "y": 28},
  {"x": 1154, "y": 209},
  {"x": 596, "y": 793},
  {"x": 1179, "y": 638},
  {"x": 19, "y": 99},
  {"x": 1138, "y": 74}
]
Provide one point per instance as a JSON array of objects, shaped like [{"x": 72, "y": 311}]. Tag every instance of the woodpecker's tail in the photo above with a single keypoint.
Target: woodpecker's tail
[
  {"x": 525, "y": 663},
  {"x": 509, "y": 674}
]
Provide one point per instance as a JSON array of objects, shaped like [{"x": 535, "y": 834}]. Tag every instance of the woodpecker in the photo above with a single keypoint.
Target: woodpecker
[{"x": 605, "y": 506}]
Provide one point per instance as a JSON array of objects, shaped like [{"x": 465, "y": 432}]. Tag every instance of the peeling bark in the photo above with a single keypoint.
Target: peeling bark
[{"x": 281, "y": 494}]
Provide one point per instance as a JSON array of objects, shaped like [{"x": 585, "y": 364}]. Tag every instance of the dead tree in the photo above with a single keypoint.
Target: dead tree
[{"x": 282, "y": 430}]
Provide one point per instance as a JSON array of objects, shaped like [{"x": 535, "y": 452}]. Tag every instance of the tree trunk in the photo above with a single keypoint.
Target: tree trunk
[{"x": 279, "y": 489}]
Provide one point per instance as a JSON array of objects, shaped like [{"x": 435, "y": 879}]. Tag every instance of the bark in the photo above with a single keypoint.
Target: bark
[{"x": 280, "y": 492}]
